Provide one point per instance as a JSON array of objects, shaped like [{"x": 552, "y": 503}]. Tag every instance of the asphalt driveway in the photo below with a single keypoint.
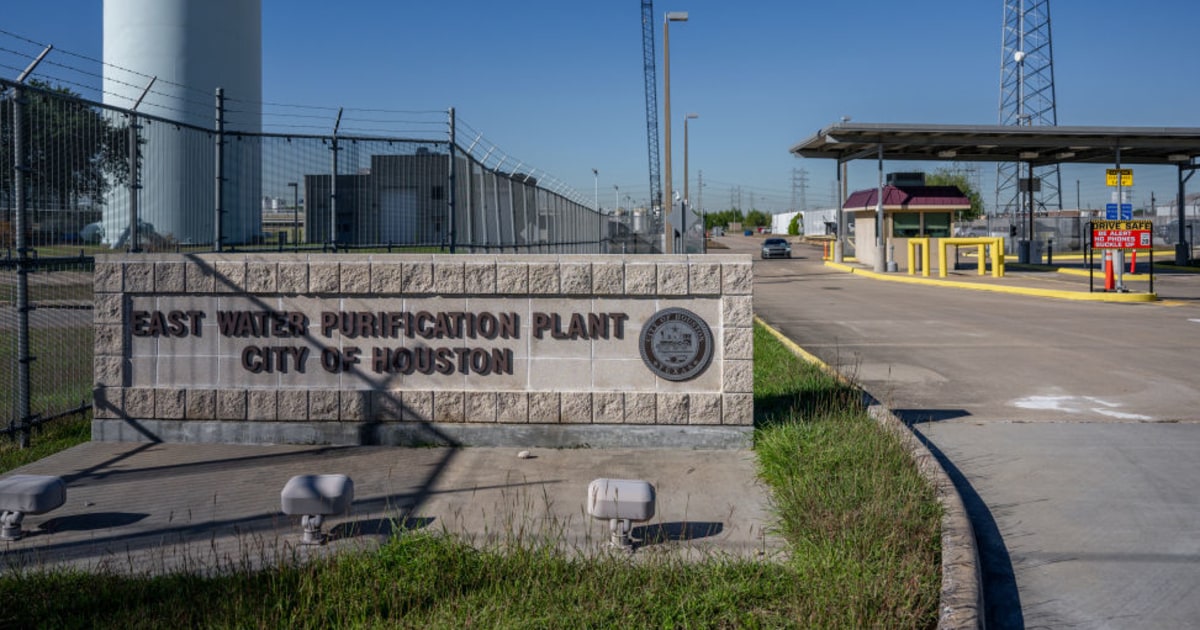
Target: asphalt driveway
[{"x": 1071, "y": 429}]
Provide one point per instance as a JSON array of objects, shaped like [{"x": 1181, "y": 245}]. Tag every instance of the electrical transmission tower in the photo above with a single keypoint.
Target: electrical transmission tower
[
  {"x": 799, "y": 188},
  {"x": 1027, "y": 98},
  {"x": 648, "y": 56}
]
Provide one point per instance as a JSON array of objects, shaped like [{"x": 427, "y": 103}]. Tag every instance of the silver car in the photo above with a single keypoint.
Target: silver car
[{"x": 776, "y": 248}]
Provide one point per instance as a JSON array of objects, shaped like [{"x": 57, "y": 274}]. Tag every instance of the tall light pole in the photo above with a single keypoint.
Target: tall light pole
[
  {"x": 596, "y": 177},
  {"x": 599, "y": 217},
  {"x": 668, "y": 198},
  {"x": 616, "y": 197},
  {"x": 687, "y": 207},
  {"x": 295, "y": 215}
]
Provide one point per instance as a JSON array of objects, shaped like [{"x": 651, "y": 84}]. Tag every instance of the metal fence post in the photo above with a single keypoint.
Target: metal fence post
[
  {"x": 23, "y": 264},
  {"x": 452, "y": 199},
  {"x": 134, "y": 245},
  {"x": 333, "y": 184},
  {"x": 219, "y": 152},
  {"x": 134, "y": 177}
]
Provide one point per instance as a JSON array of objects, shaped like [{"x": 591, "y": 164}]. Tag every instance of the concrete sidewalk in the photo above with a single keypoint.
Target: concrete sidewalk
[{"x": 154, "y": 507}]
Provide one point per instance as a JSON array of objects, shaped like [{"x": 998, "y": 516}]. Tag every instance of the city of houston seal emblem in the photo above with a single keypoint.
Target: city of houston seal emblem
[{"x": 676, "y": 344}]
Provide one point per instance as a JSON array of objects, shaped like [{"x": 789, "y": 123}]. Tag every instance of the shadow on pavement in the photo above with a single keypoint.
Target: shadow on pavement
[
  {"x": 92, "y": 521},
  {"x": 670, "y": 532},
  {"x": 384, "y": 527},
  {"x": 1002, "y": 600},
  {"x": 912, "y": 417}
]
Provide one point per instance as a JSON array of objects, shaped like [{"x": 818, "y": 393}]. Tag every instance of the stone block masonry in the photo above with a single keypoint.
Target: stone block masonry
[{"x": 531, "y": 350}]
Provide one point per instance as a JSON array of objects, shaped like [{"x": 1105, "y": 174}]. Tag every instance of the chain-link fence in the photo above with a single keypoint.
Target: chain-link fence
[
  {"x": 59, "y": 339},
  {"x": 80, "y": 177},
  {"x": 1070, "y": 234}
]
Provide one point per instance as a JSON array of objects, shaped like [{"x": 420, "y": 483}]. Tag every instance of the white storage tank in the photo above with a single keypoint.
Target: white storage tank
[{"x": 192, "y": 47}]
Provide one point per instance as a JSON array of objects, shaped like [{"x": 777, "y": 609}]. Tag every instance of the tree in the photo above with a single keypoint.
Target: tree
[
  {"x": 757, "y": 218},
  {"x": 74, "y": 154},
  {"x": 797, "y": 225},
  {"x": 722, "y": 218},
  {"x": 944, "y": 177}
]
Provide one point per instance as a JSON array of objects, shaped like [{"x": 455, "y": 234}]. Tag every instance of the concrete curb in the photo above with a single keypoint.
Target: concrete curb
[
  {"x": 961, "y": 605},
  {"x": 1050, "y": 293},
  {"x": 1083, "y": 273}
]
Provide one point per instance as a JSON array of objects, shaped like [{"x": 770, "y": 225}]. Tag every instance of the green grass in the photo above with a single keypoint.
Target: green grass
[
  {"x": 857, "y": 516},
  {"x": 46, "y": 439},
  {"x": 42, "y": 293},
  {"x": 861, "y": 527},
  {"x": 60, "y": 377}
]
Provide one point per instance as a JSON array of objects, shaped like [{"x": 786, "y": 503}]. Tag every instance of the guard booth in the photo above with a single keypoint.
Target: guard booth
[{"x": 910, "y": 210}]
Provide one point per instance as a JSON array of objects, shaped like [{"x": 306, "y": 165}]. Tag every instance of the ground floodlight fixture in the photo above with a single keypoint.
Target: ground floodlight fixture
[
  {"x": 620, "y": 502},
  {"x": 314, "y": 497},
  {"x": 27, "y": 494}
]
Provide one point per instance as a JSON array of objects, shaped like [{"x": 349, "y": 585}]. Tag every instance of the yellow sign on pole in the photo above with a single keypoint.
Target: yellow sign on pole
[{"x": 1110, "y": 176}]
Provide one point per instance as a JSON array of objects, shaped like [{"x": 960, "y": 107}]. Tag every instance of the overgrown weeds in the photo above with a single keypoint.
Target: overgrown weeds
[{"x": 860, "y": 524}]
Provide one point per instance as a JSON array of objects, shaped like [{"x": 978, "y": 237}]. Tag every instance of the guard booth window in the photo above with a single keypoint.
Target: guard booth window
[
  {"x": 906, "y": 224},
  {"x": 937, "y": 224},
  {"x": 909, "y": 224}
]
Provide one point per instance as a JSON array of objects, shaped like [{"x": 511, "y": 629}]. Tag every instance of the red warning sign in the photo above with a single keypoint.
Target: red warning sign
[{"x": 1122, "y": 234}]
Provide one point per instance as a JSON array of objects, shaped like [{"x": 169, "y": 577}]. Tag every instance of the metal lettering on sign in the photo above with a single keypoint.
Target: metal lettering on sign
[{"x": 676, "y": 344}]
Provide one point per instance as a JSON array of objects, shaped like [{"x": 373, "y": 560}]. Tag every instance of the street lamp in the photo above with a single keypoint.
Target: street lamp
[
  {"x": 687, "y": 207},
  {"x": 671, "y": 16},
  {"x": 295, "y": 215},
  {"x": 599, "y": 217},
  {"x": 596, "y": 176}
]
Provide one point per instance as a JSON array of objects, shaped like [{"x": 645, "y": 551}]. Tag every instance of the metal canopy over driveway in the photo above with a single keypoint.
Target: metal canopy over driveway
[
  {"x": 1004, "y": 143},
  {"x": 1035, "y": 146}
]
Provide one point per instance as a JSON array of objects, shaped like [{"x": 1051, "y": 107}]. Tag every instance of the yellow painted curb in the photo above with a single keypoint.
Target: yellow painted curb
[
  {"x": 1136, "y": 277},
  {"x": 1157, "y": 252},
  {"x": 798, "y": 351},
  {"x": 1177, "y": 268},
  {"x": 1050, "y": 293}
]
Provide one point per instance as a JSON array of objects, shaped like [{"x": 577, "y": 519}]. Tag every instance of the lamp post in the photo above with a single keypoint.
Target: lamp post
[
  {"x": 687, "y": 207},
  {"x": 599, "y": 217},
  {"x": 295, "y": 215},
  {"x": 596, "y": 177},
  {"x": 669, "y": 233}
]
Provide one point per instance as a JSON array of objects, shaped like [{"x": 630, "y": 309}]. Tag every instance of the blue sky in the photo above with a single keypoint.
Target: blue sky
[{"x": 559, "y": 85}]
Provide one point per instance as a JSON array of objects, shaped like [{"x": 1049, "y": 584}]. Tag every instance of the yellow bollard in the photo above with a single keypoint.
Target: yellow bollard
[{"x": 998, "y": 257}]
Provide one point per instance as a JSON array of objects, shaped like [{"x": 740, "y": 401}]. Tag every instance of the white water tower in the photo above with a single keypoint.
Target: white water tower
[{"x": 192, "y": 47}]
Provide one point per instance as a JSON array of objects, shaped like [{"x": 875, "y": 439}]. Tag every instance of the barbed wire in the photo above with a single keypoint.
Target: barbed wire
[{"x": 188, "y": 104}]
